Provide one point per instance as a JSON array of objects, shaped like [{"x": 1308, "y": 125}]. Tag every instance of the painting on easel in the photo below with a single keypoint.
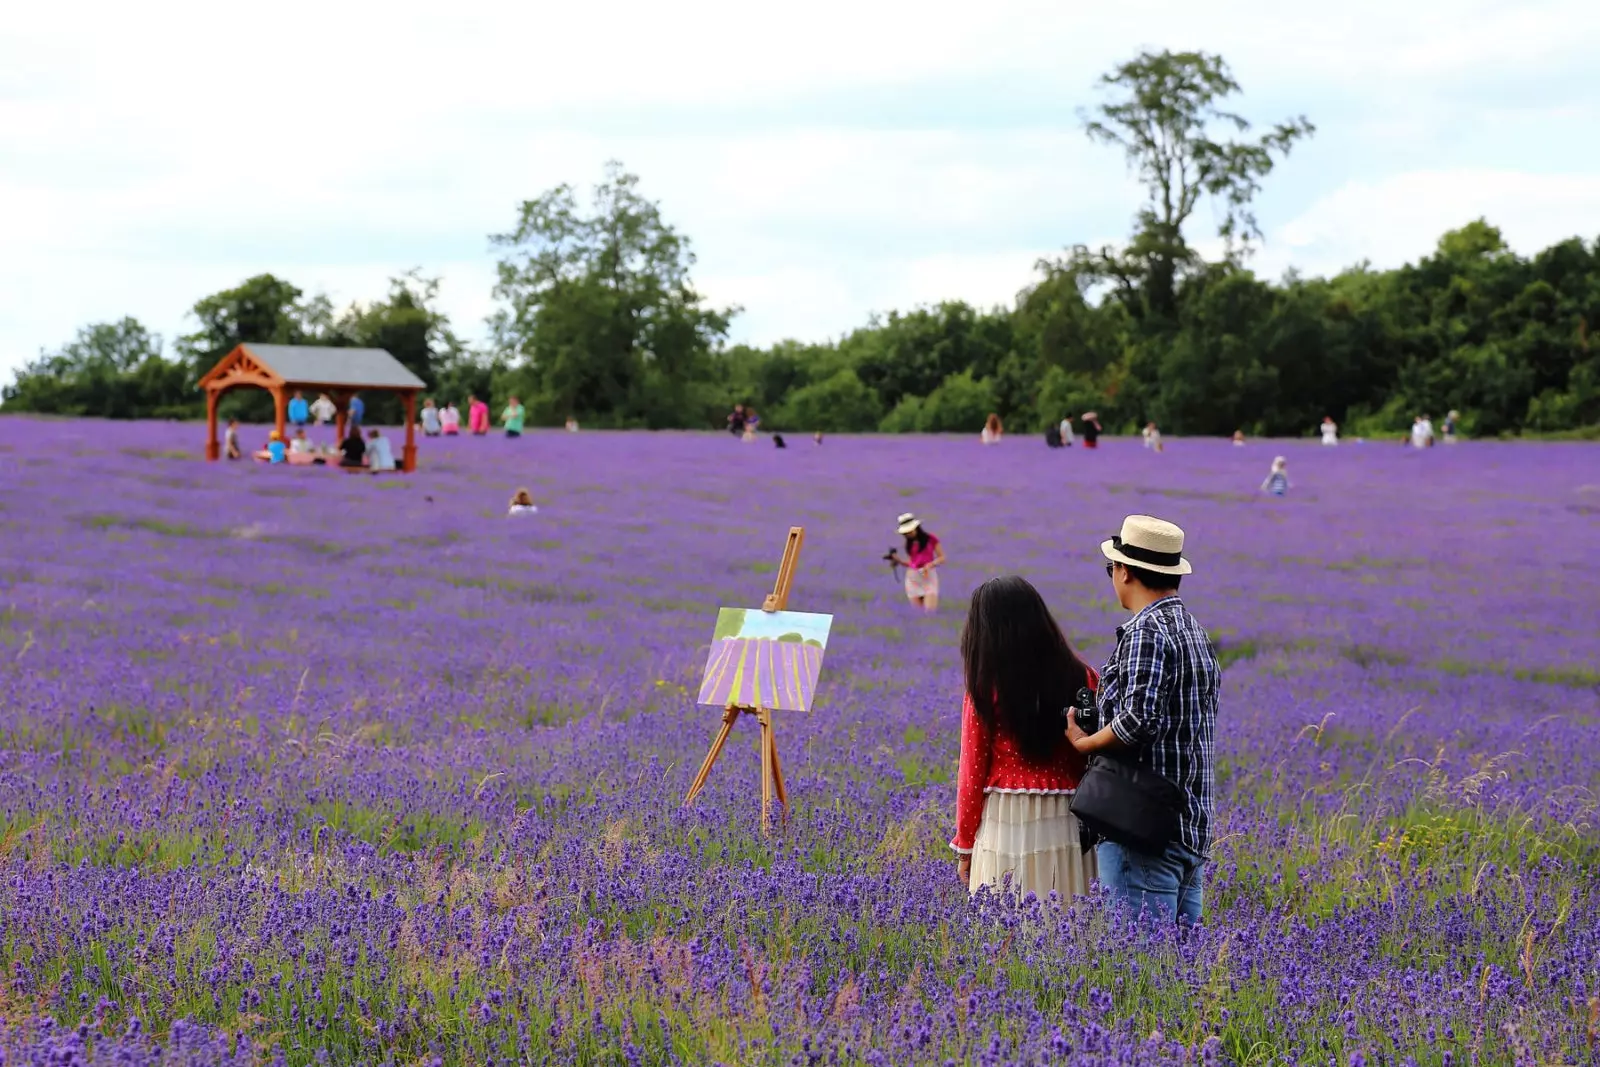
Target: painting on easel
[{"x": 765, "y": 659}]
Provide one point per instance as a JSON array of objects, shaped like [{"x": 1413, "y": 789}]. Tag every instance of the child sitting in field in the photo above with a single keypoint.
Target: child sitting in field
[
  {"x": 276, "y": 451},
  {"x": 1277, "y": 481},
  {"x": 522, "y": 503}
]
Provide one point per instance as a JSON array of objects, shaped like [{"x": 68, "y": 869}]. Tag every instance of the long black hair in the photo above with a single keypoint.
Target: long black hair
[
  {"x": 1020, "y": 672},
  {"x": 917, "y": 538}
]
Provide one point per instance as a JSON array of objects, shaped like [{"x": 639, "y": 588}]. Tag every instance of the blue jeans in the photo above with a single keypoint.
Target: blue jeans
[{"x": 1170, "y": 882}]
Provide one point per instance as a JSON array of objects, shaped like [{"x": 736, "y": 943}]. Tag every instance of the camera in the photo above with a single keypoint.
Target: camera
[
  {"x": 1088, "y": 710},
  {"x": 890, "y": 557}
]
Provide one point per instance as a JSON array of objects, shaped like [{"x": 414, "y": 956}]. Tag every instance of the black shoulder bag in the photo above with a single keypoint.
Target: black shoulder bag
[{"x": 1131, "y": 805}]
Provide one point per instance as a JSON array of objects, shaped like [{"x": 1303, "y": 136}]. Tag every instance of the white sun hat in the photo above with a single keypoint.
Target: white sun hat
[
  {"x": 908, "y": 523},
  {"x": 1149, "y": 543}
]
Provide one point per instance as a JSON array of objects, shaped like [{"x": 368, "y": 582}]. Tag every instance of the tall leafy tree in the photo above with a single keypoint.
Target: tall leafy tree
[
  {"x": 1165, "y": 111},
  {"x": 599, "y": 305},
  {"x": 265, "y": 309}
]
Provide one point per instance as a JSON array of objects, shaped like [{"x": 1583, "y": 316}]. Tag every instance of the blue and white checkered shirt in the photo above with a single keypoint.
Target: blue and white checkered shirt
[{"x": 1160, "y": 689}]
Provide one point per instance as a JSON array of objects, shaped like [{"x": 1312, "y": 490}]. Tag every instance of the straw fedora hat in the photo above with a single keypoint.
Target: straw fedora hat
[
  {"x": 1149, "y": 543},
  {"x": 908, "y": 524}
]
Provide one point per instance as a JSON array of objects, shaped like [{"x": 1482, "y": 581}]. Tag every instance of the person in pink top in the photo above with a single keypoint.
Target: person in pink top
[
  {"x": 923, "y": 554},
  {"x": 477, "y": 416}
]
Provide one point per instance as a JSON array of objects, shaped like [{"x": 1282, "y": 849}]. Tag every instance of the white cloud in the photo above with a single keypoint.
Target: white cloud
[{"x": 1397, "y": 219}]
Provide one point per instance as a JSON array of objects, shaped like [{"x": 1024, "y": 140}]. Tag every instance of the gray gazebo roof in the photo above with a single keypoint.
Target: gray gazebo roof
[{"x": 363, "y": 368}]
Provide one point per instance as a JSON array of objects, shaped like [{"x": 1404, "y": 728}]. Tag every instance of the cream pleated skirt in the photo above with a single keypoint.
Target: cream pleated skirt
[{"x": 1031, "y": 839}]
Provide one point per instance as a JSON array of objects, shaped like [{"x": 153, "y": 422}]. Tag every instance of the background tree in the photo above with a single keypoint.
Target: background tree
[
  {"x": 601, "y": 311},
  {"x": 111, "y": 370},
  {"x": 1164, "y": 111}
]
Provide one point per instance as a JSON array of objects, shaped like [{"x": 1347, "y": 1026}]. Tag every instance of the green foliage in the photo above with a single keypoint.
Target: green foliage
[
  {"x": 111, "y": 370},
  {"x": 600, "y": 307},
  {"x": 729, "y": 622},
  {"x": 839, "y": 404}
]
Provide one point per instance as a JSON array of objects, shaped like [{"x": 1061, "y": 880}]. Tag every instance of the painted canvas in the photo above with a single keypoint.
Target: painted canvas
[{"x": 765, "y": 659}]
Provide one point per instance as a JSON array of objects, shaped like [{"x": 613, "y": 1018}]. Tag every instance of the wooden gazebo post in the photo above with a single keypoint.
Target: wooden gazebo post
[
  {"x": 213, "y": 450},
  {"x": 280, "y": 404},
  {"x": 408, "y": 462}
]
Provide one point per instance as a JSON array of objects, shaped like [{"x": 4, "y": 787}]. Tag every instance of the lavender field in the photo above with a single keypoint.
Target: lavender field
[{"x": 299, "y": 767}]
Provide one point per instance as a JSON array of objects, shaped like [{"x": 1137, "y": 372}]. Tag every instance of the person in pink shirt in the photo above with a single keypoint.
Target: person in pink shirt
[
  {"x": 477, "y": 416},
  {"x": 923, "y": 554}
]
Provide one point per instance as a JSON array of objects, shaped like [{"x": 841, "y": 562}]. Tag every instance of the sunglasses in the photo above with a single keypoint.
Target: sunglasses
[{"x": 1110, "y": 566}]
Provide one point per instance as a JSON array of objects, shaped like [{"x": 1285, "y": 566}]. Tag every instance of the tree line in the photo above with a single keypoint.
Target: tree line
[{"x": 598, "y": 319}]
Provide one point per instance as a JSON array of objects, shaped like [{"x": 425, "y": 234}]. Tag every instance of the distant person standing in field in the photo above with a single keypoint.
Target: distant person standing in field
[
  {"x": 513, "y": 417},
  {"x": 299, "y": 411},
  {"x": 923, "y": 555},
  {"x": 231, "y": 440},
  {"x": 1158, "y": 699},
  {"x": 1067, "y": 436},
  {"x": 1091, "y": 430},
  {"x": 358, "y": 409},
  {"x": 1277, "y": 481},
  {"x": 992, "y": 430},
  {"x": 1238, "y": 439},
  {"x": 1330, "y": 432},
  {"x": 736, "y": 420},
  {"x": 522, "y": 503},
  {"x": 450, "y": 421},
  {"x": 1152, "y": 437},
  {"x": 1451, "y": 422},
  {"x": 1014, "y": 823},
  {"x": 477, "y": 416},
  {"x": 752, "y": 423},
  {"x": 431, "y": 425},
  {"x": 1422, "y": 432},
  {"x": 323, "y": 409}
]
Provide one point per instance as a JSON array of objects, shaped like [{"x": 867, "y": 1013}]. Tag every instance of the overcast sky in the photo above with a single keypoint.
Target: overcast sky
[{"x": 827, "y": 159}]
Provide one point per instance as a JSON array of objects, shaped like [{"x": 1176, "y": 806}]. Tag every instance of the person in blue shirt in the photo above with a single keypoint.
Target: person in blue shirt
[
  {"x": 299, "y": 410},
  {"x": 1277, "y": 482},
  {"x": 357, "y": 409},
  {"x": 277, "y": 452}
]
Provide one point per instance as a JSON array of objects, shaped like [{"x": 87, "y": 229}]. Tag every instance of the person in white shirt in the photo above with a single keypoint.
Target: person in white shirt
[
  {"x": 1066, "y": 432},
  {"x": 430, "y": 419},
  {"x": 380, "y": 457},
  {"x": 1330, "y": 431},
  {"x": 450, "y": 420},
  {"x": 323, "y": 409},
  {"x": 522, "y": 504},
  {"x": 1421, "y": 432},
  {"x": 300, "y": 443}
]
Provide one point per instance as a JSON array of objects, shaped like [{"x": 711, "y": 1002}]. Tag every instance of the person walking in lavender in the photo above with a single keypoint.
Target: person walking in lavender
[
  {"x": 1277, "y": 480},
  {"x": 1158, "y": 700}
]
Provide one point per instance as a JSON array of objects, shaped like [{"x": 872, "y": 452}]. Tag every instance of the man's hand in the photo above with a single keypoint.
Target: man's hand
[{"x": 964, "y": 870}]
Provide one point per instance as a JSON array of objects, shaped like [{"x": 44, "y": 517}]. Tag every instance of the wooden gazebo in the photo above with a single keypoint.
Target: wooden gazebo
[{"x": 340, "y": 372}]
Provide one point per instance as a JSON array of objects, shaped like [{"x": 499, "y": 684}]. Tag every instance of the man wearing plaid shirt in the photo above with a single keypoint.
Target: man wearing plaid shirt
[{"x": 1160, "y": 693}]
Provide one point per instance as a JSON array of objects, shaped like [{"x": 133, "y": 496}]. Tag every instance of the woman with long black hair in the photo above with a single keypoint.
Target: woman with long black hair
[
  {"x": 923, "y": 554},
  {"x": 1014, "y": 820}
]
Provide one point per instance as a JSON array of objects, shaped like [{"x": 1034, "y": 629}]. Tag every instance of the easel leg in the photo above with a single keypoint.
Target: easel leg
[
  {"x": 777, "y": 780},
  {"x": 765, "y": 719},
  {"x": 729, "y": 717}
]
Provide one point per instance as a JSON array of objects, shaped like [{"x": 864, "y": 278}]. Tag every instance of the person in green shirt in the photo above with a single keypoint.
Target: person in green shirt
[{"x": 513, "y": 417}]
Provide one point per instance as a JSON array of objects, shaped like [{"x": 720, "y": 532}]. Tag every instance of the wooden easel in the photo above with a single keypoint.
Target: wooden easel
[{"x": 771, "y": 769}]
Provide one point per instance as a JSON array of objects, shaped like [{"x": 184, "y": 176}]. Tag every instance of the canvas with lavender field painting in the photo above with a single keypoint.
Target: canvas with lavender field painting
[{"x": 766, "y": 659}]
